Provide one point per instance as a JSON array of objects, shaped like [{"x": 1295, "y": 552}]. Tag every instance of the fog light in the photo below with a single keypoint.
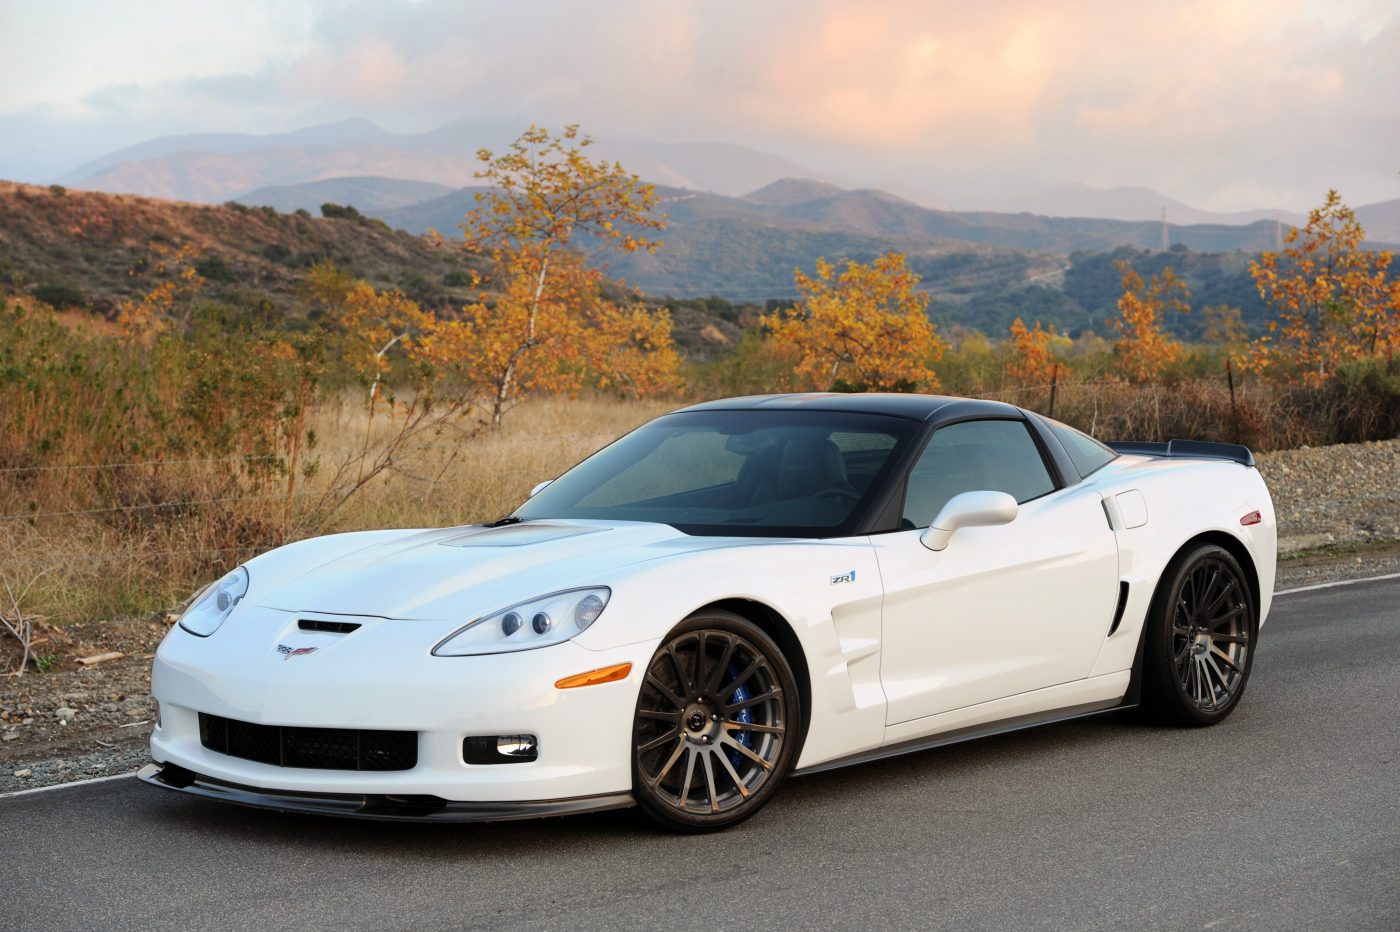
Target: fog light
[
  {"x": 500, "y": 749},
  {"x": 516, "y": 746}
]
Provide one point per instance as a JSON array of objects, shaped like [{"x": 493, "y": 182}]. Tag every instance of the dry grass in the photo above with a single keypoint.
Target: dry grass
[{"x": 179, "y": 524}]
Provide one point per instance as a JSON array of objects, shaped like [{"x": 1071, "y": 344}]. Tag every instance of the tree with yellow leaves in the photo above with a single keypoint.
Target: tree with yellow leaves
[
  {"x": 170, "y": 301},
  {"x": 548, "y": 325},
  {"x": 527, "y": 340},
  {"x": 1333, "y": 300},
  {"x": 1143, "y": 347},
  {"x": 864, "y": 327},
  {"x": 1030, "y": 361}
]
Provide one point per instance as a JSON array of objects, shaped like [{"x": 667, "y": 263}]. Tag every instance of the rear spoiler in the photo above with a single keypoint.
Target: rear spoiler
[{"x": 1186, "y": 449}]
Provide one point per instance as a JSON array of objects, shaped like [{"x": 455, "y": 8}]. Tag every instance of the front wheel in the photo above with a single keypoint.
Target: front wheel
[
  {"x": 1200, "y": 639},
  {"x": 716, "y": 724}
]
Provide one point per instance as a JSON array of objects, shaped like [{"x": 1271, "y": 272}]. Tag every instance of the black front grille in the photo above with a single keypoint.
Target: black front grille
[{"x": 319, "y": 748}]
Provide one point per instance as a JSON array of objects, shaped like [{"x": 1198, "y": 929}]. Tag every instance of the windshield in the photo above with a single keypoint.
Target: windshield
[{"x": 746, "y": 473}]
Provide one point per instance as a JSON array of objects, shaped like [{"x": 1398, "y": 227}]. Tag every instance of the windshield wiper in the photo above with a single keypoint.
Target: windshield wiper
[{"x": 502, "y": 522}]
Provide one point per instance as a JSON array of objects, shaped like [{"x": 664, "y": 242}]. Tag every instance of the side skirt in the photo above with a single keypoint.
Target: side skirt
[{"x": 971, "y": 733}]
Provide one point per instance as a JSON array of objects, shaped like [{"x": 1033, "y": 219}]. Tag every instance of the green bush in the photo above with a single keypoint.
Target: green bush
[
  {"x": 213, "y": 268},
  {"x": 337, "y": 212},
  {"x": 59, "y": 295}
]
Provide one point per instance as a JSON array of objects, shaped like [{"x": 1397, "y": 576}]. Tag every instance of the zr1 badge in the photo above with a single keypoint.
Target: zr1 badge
[{"x": 846, "y": 577}]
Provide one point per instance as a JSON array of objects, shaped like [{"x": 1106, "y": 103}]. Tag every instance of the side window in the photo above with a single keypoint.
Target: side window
[
  {"x": 1084, "y": 451},
  {"x": 974, "y": 456}
]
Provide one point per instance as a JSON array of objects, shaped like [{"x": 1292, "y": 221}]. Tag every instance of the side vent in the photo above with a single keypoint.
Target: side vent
[
  {"x": 1122, "y": 604},
  {"x": 335, "y": 627}
]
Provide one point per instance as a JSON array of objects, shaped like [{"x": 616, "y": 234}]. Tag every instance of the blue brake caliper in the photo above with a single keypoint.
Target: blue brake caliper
[{"x": 744, "y": 716}]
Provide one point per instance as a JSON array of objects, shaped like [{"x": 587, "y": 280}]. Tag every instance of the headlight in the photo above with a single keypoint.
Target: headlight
[
  {"x": 213, "y": 605},
  {"x": 540, "y": 622}
]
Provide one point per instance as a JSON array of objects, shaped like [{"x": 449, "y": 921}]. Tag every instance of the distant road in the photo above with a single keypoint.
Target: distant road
[{"x": 1285, "y": 816}]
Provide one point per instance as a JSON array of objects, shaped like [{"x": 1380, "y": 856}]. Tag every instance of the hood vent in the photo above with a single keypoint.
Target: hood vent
[{"x": 335, "y": 627}]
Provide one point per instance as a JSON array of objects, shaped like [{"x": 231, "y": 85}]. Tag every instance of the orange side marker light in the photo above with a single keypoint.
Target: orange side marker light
[{"x": 612, "y": 674}]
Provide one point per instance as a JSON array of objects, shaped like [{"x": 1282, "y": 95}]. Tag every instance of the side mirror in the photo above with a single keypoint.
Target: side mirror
[
  {"x": 540, "y": 488},
  {"x": 969, "y": 509}
]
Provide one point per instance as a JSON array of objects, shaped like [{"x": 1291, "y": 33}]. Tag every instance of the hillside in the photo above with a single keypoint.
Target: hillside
[
  {"x": 84, "y": 245},
  {"x": 745, "y": 248},
  {"x": 79, "y": 247},
  {"x": 369, "y": 194},
  {"x": 1382, "y": 220}
]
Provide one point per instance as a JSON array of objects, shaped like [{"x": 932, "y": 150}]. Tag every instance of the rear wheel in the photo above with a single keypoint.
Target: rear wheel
[
  {"x": 716, "y": 724},
  {"x": 1200, "y": 639}
]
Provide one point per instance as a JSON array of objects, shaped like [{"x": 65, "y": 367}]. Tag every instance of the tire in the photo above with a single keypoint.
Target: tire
[
  {"x": 713, "y": 741},
  {"x": 1201, "y": 632}
]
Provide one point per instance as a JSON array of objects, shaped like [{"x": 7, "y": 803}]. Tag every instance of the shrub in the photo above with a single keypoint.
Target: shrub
[
  {"x": 337, "y": 212},
  {"x": 213, "y": 268},
  {"x": 59, "y": 294}
]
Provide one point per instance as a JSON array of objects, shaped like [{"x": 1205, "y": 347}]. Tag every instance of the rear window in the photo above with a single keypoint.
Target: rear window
[{"x": 1084, "y": 451}]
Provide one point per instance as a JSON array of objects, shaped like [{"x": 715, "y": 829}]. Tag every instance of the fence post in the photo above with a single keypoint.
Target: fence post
[
  {"x": 1234, "y": 408},
  {"x": 1054, "y": 378}
]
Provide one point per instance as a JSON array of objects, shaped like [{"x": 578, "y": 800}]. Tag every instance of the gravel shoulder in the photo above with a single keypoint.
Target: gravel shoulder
[{"x": 1338, "y": 512}]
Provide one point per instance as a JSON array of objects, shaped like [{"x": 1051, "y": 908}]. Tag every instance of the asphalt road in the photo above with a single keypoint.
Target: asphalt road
[{"x": 1285, "y": 816}]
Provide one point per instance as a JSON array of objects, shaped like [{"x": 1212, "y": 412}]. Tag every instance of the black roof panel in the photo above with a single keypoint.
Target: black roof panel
[{"x": 915, "y": 407}]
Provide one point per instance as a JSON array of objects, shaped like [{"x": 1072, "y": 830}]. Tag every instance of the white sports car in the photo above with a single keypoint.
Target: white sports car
[{"x": 733, "y": 593}]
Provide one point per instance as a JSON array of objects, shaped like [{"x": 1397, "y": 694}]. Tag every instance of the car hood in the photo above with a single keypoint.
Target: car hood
[{"x": 461, "y": 573}]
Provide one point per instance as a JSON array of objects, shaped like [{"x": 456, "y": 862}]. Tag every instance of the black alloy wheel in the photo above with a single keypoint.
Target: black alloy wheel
[
  {"x": 1201, "y": 637},
  {"x": 717, "y": 724}
]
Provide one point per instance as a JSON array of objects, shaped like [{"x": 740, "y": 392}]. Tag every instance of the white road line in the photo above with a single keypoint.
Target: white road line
[
  {"x": 1332, "y": 585},
  {"x": 59, "y": 786}
]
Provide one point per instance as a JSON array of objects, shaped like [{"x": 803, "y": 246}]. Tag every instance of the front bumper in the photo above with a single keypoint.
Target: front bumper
[
  {"x": 373, "y": 806},
  {"x": 381, "y": 677}
]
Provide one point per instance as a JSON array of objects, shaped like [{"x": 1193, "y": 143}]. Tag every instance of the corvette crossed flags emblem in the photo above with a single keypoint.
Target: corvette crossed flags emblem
[{"x": 288, "y": 652}]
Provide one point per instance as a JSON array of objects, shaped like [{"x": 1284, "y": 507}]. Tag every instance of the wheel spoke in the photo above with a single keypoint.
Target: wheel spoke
[
  {"x": 752, "y": 700},
  {"x": 1225, "y": 657},
  {"x": 740, "y": 679},
  {"x": 1230, "y": 638},
  {"x": 689, "y": 774},
  {"x": 733, "y": 774},
  {"x": 1219, "y": 598},
  {"x": 656, "y": 743},
  {"x": 710, "y": 781},
  {"x": 699, "y": 681},
  {"x": 1224, "y": 681},
  {"x": 1181, "y": 655},
  {"x": 1231, "y": 614},
  {"x": 712, "y": 684},
  {"x": 658, "y": 715},
  {"x": 1207, "y": 592},
  {"x": 670, "y": 762},
  {"x": 748, "y": 752},
  {"x": 754, "y": 726},
  {"x": 681, "y": 680},
  {"x": 665, "y": 691}
]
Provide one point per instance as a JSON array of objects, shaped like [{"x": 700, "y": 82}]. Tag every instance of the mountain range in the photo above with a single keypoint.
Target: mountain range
[
  {"x": 214, "y": 167},
  {"x": 739, "y": 219}
]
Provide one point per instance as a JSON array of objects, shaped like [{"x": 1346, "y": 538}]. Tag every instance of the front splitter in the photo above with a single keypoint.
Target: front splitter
[{"x": 407, "y": 808}]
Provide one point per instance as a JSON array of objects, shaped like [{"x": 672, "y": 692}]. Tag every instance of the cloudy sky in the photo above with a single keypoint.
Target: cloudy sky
[{"x": 1225, "y": 104}]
